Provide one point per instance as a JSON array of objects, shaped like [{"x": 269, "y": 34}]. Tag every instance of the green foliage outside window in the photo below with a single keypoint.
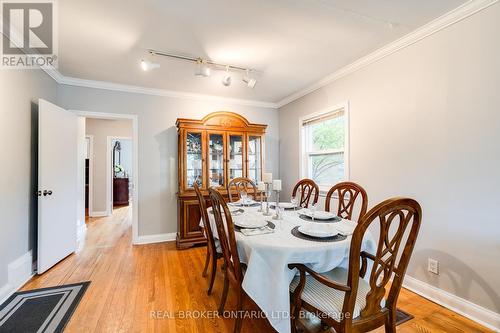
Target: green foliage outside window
[{"x": 329, "y": 135}]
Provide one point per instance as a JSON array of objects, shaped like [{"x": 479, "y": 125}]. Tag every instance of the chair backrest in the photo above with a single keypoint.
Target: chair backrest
[
  {"x": 239, "y": 184},
  {"x": 308, "y": 189},
  {"x": 399, "y": 223},
  {"x": 204, "y": 217},
  {"x": 347, "y": 194},
  {"x": 227, "y": 238}
]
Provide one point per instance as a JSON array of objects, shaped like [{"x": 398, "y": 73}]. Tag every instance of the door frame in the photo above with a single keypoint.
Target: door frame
[
  {"x": 135, "y": 160},
  {"x": 90, "y": 155},
  {"x": 109, "y": 169}
]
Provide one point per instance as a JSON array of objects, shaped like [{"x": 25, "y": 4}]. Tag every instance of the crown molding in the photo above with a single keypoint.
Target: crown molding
[
  {"x": 456, "y": 15},
  {"x": 72, "y": 81}
]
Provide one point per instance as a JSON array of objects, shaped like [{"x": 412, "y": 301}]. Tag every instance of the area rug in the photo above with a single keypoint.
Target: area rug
[{"x": 41, "y": 310}]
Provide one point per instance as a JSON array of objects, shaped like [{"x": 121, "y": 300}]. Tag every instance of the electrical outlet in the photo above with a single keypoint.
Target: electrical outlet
[{"x": 433, "y": 266}]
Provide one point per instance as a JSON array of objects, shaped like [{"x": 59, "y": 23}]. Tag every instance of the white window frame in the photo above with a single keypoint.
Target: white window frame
[{"x": 304, "y": 161}]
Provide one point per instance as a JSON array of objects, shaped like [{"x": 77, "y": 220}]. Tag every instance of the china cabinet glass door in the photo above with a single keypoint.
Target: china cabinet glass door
[
  {"x": 194, "y": 158},
  {"x": 216, "y": 159},
  {"x": 254, "y": 157},
  {"x": 235, "y": 151}
]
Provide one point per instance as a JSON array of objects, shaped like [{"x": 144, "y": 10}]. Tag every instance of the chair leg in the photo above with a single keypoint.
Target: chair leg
[
  {"x": 224, "y": 295},
  {"x": 324, "y": 326},
  {"x": 213, "y": 272},
  {"x": 239, "y": 309},
  {"x": 390, "y": 322},
  {"x": 295, "y": 314},
  {"x": 207, "y": 261}
]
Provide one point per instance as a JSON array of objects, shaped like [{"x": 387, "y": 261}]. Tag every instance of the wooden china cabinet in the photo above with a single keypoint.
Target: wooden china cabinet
[{"x": 212, "y": 151}]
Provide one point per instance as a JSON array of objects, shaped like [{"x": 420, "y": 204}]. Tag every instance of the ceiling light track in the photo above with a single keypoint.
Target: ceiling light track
[
  {"x": 200, "y": 60},
  {"x": 203, "y": 67}
]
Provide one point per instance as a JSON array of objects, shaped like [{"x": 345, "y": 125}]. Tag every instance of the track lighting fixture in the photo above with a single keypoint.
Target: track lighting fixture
[
  {"x": 226, "y": 79},
  {"x": 204, "y": 67},
  {"x": 201, "y": 68},
  {"x": 251, "y": 82},
  {"x": 147, "y": 65}
]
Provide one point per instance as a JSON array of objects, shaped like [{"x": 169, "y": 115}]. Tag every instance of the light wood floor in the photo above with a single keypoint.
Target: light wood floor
[{"x": 129, "y": 282}]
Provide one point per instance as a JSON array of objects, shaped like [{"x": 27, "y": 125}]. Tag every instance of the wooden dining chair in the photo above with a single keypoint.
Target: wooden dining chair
[
  {"x": 213, "y": 252},
  {"x": 233, "y": 268},
  {"x": 240, "y": 184},
  {"x": 347, "y": 194},
  {"x": 342, "y": 298},
  {"x": 308, "y": 189}
]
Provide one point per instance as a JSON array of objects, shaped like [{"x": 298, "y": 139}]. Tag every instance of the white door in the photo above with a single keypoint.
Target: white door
[{"x": 57, "y": 184}]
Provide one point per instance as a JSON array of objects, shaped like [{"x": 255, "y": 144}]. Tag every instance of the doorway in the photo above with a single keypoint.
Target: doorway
[
  {"x": 120, "y": 171},
  {"x": 111, "y": 141},
  {"x": 89, "y": 144}
]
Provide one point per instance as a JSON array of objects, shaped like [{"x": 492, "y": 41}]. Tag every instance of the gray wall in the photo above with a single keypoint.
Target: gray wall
[
  {"x": 101, "y": 129},
  {"x": 158, "y": 143},
  {"x": 19, "y": 94},
  {"x": 425, "y": 123}
]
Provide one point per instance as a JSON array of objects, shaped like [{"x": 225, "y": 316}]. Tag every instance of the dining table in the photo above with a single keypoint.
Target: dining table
[{"x": 267, "y": 277}]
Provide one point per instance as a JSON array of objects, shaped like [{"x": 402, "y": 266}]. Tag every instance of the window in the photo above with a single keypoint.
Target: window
[{"x": 325, "y": 146}]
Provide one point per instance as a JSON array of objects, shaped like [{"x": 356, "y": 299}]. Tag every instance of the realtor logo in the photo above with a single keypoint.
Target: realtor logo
[{"x": 29, "y": 32}]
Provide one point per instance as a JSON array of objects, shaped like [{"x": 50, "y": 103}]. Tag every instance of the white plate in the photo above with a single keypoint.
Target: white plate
[
  {"x": 286, "y": 205},
  {"x": 320, "y": 215},
  {"x": 249, "y": 222},
  {"x": 247, "y": 202},
  {"x": 232, "y": 210},
  {"x": 320, "y": 230}
]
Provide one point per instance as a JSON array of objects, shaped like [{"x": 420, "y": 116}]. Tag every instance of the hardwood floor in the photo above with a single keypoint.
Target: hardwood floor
[{"x": 135, "y": 288}]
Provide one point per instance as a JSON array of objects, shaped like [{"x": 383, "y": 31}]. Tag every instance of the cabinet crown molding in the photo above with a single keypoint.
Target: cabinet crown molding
[{"x": 221, "y": 119}]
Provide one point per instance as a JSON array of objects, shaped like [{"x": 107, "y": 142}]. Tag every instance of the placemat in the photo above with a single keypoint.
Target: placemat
[
  {"x": 269, "y": 224},
  {"x": 337, "y": 238},
  {"x": 309, "y": 219},
  {"x": 289, "y": 209}
]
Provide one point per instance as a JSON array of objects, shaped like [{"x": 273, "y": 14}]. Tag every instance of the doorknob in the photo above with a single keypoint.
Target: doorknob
[{"x": 45, "y": 192}]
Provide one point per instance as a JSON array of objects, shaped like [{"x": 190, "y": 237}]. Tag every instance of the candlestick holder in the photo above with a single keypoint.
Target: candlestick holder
[
  {"x": 277, "y": 216},
  {"x": 261, "y": 209},
  {"x": 268, "y": 195}
]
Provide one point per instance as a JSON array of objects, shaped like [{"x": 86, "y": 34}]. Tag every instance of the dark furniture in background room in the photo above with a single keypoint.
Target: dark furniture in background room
[{"x": 120, "y": 192}]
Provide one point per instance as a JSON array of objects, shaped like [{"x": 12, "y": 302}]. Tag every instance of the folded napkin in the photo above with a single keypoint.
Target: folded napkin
[{"x": 257, "y": 231}]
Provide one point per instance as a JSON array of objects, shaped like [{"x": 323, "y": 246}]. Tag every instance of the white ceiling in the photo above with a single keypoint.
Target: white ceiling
[{"x": 293, "y": 43}]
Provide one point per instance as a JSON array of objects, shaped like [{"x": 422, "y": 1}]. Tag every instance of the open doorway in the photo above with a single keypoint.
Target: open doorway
[
  {"x": 122, "y": 171},
  {"x": 89, "y": 144},
  {"x": 110, "y": 164}
]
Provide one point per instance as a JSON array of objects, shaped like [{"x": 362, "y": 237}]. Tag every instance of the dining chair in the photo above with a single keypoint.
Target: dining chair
[
  {"x": 347, "y": 194},
  {"x": 227, "y": 240},
  {"x": 213, "y": 251},
  {"x": 240, "y": 184},
  {"x": 343, "y": 298},
  {"x": 307, "y": 188}
]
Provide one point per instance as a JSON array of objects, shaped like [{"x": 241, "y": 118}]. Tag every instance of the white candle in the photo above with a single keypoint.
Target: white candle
[
  {"x": 261, "y": 186},
  {"x": 277, "y": 185},
  {"x": 267, "y": 177}
]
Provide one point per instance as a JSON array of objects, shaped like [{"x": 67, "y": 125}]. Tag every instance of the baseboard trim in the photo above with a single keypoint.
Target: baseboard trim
[
  {"x": 18, "y": 273},
  {"x": 80, "y": 236},
  {"x": 81, "y": 231},
  {"x": 456, "y": 304},
  {"x": 99, "y": 213},
  {"x": 158, "y": 238}
]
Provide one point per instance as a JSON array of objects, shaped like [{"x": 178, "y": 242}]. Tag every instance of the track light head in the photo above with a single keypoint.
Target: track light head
[
  {"x": 147, "y": 65},
  {"x": 202, "y": 68},
  {"x": 250, "y": 81},
  {"x": 226, "y": 79}
]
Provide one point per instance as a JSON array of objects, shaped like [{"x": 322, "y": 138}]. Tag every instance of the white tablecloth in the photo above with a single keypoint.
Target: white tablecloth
[{"x": 267, "y": 278}]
